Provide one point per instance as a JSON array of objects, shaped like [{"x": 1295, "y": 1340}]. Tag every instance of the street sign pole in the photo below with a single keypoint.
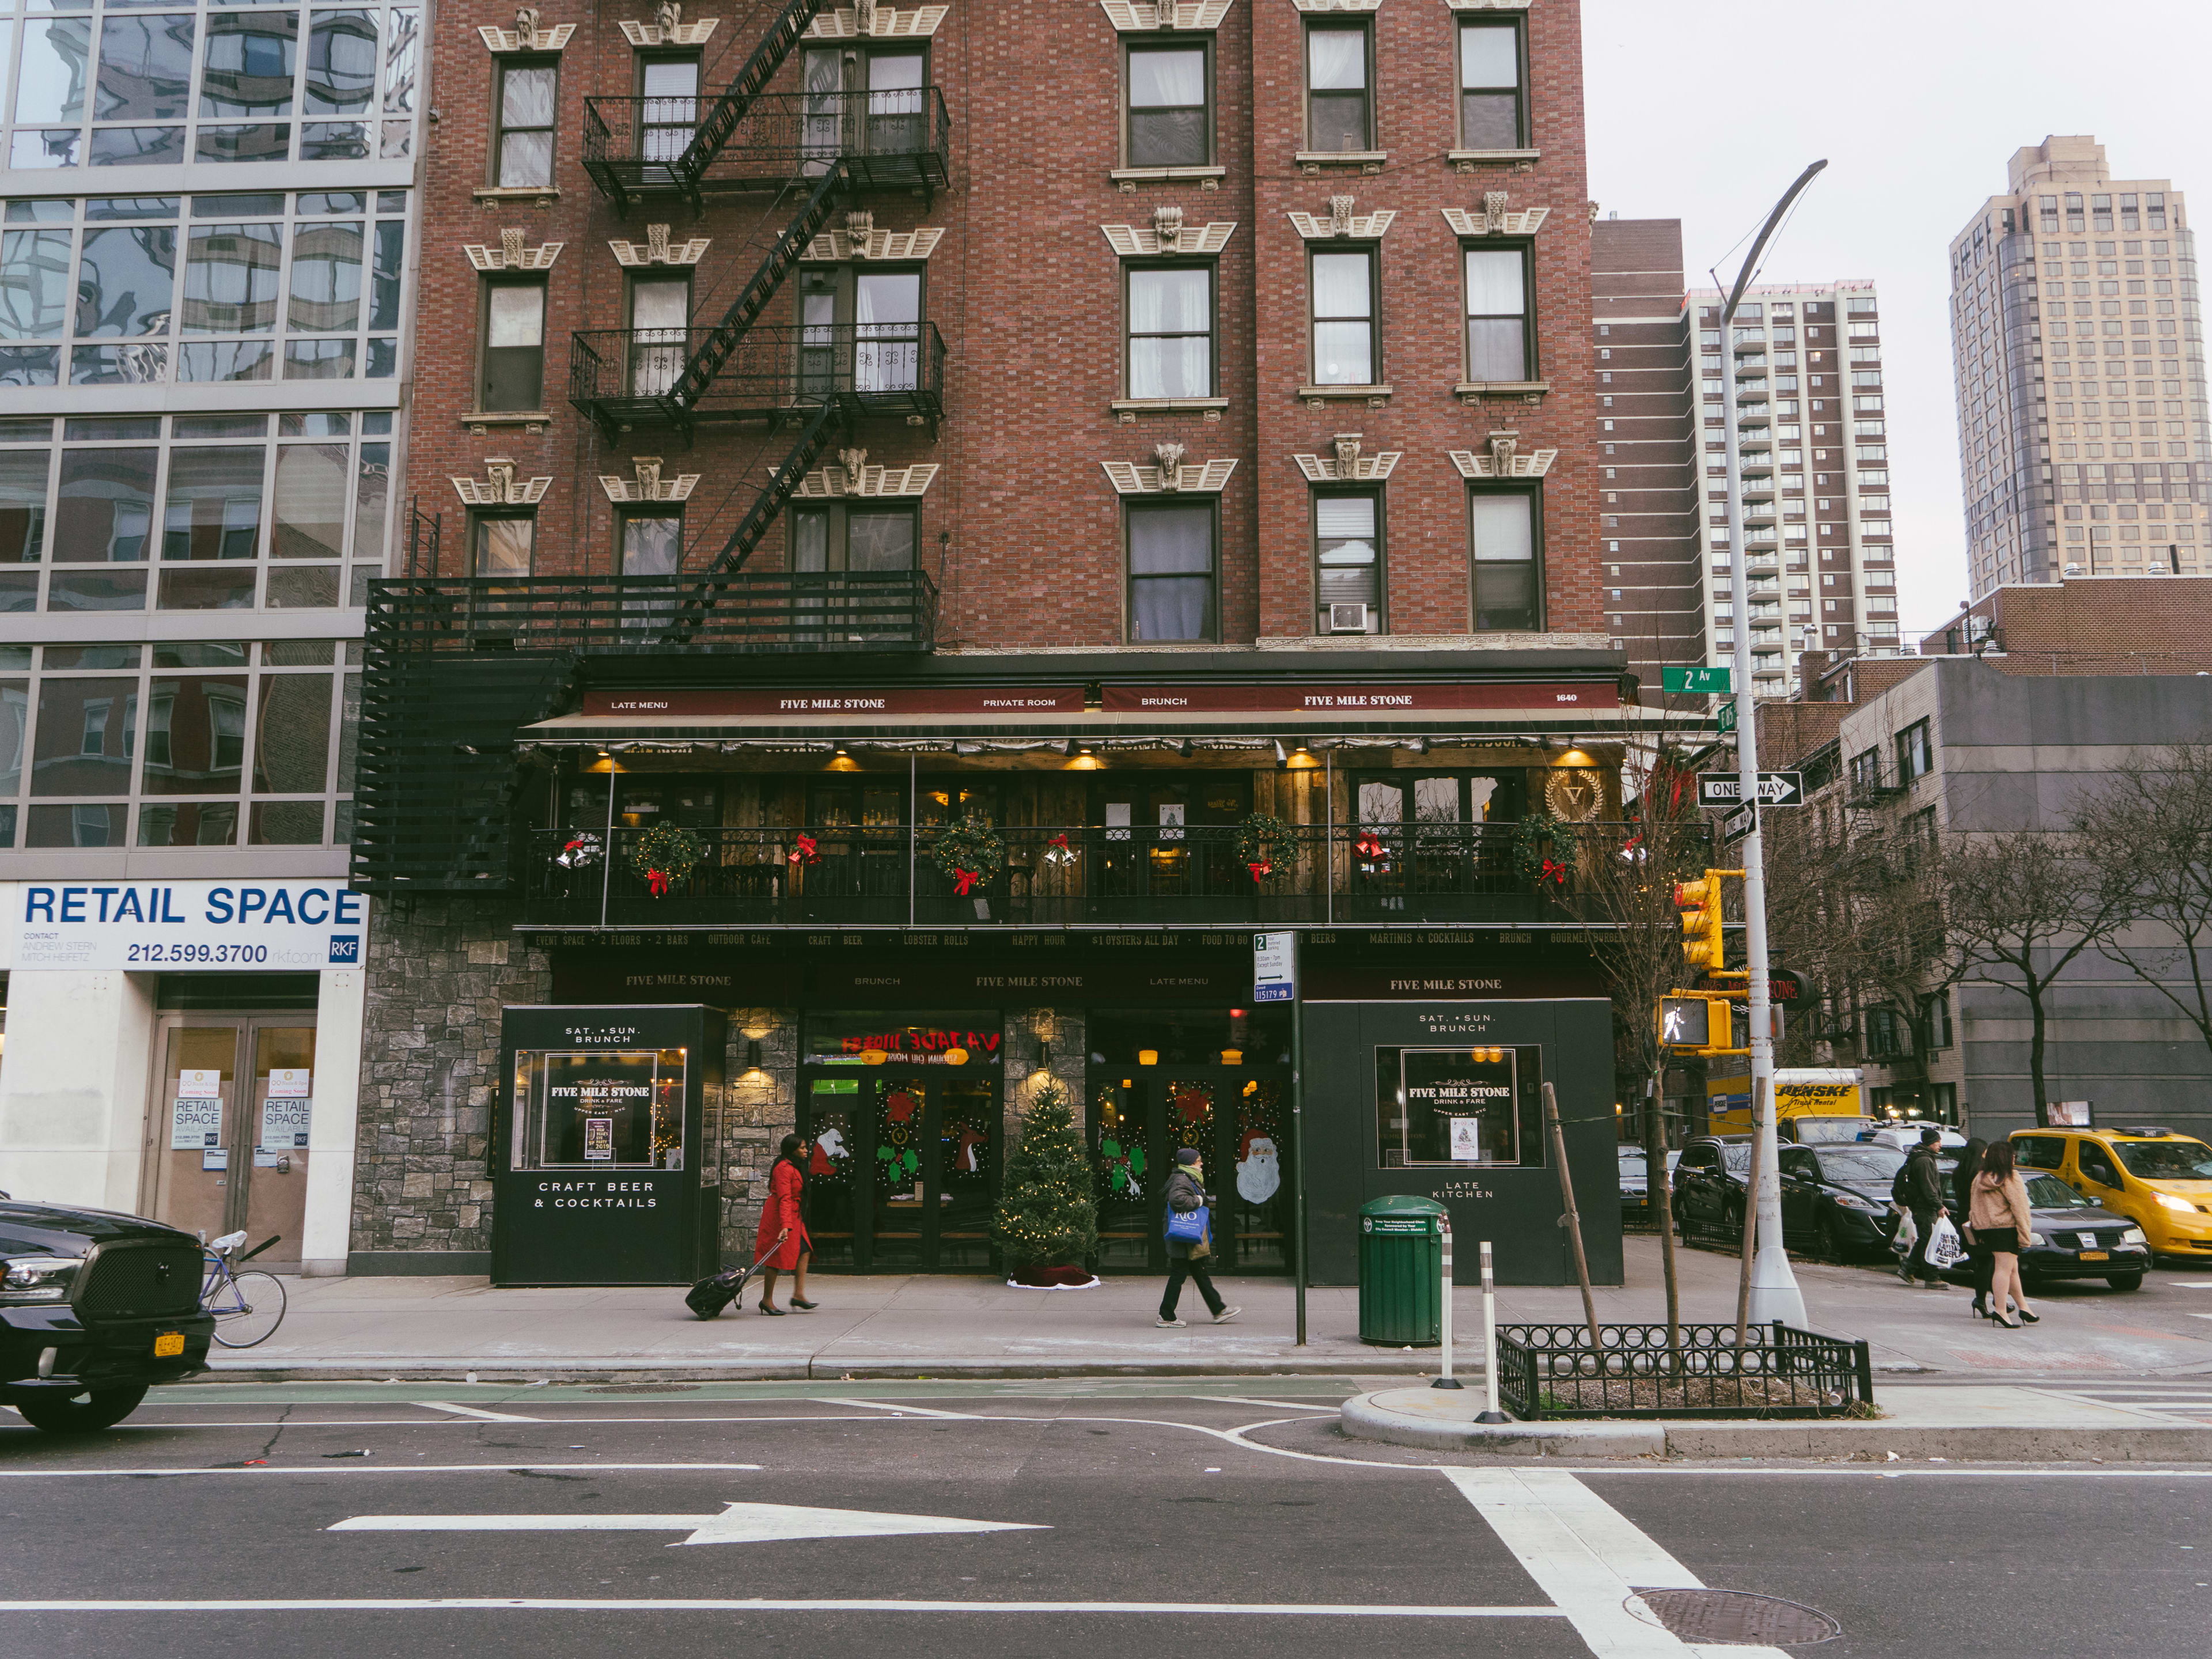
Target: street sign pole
[
  {"x": 1774, "y": 1292},
  {"x": 1299, "y": 1135}
]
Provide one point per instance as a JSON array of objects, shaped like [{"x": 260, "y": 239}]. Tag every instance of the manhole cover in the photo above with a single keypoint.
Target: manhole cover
[
  {"x": 644, "y": 1388},
  {"x": 1718, "y": 1615}
]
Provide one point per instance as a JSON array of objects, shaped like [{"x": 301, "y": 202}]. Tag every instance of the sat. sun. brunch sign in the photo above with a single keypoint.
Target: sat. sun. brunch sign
[{"x": 220, "y": 926}]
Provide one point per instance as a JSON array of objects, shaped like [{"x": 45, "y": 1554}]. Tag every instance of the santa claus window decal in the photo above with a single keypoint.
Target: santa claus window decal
[{"x": 1458, "y": 1106}]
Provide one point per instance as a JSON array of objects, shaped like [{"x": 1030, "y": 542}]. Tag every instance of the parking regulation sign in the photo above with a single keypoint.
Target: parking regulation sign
[{"x": 1275, "y": 977}]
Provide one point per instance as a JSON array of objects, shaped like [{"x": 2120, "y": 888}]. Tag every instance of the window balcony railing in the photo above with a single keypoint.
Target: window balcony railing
[
  {"x": 641, "y": 147},
  {"x": 888, "y": 875},
  {"x": 627, "y": 376}
]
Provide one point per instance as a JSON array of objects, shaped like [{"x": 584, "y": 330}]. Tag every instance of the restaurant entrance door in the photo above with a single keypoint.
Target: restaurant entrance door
[{"x": 1237, "y": 1117}]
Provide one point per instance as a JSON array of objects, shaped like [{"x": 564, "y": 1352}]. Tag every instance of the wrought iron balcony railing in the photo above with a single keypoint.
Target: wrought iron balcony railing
[
  {"x": 889, "y": 874},
  {"x": 741, "y": 610},
  {"x": 626, "y": 378},
  {"x": 642, "y": 147}
]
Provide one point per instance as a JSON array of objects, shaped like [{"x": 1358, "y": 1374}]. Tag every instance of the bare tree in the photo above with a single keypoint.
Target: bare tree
[
  {"x": 2020, "y": 905},
  {"x": 2151, "y": 828}
]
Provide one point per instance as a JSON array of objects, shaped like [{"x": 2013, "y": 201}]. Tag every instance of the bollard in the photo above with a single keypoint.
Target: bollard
[
  {"x": 1489, "y": 1342},
  {"x": 1444, "y": 1308}
]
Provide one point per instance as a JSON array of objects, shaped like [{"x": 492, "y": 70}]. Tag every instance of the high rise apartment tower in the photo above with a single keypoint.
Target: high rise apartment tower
[{"x": 2079, "y": 349}]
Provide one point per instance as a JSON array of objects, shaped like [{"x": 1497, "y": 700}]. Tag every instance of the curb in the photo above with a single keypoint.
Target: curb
[
  {"x": 371, "y": 1368},
  {"x": 1862, "y": 1441}
]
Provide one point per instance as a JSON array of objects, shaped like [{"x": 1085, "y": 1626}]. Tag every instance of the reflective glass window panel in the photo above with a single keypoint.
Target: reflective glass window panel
[
  {"x": 195, "y": 742},
  {"x": 326, "y": 277},
  {"x": 340, "y": 63},
  {"x": 145, "y": 68},
  {"x": 57, "y": 61},
  {"x": 106, "y": 509},
  {"x": 80, "y": 747},
  {"x": 230, "y": 278},
  {"x": 23, "y": 474},
  {"x": 292, "y": 735},
  {"x": 215, "y": 503},
  {"x": 126, "y": 281},
  {"x": 34, "y": 283},
  {"x": 250, "y": 60},
  {"x": 312, "y": 485}
]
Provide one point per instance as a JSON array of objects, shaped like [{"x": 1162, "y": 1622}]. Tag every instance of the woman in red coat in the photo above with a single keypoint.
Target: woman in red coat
[{"x": 783, "y": 1229}]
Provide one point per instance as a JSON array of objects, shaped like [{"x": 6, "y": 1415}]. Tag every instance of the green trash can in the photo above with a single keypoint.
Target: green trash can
[{"x": 1401, "y": 1253}]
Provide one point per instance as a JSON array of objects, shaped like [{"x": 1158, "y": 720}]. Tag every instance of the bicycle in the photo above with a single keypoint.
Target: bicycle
[{"x": 248, "y": 1307}]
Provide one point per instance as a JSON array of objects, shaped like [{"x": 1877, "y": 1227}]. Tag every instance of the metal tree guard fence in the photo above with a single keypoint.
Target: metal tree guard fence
[{"x": 1552, "y": 1371}]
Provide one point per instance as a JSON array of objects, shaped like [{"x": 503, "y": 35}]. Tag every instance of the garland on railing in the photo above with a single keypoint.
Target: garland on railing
[
  {"x": 665, "y": 855},
  {"x": 1543, "y": 850},
  {"x": 1261, "y": 838},
  {"x": 970, "y": 852}
]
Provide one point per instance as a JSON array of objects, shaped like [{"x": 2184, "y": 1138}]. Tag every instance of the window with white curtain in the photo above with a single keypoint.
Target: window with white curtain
[
  {"x": 1339, "y": 114},
  {"x": 1171, "y": 311},
  {"x": 1348, "y": 556},
  {"x": 1344, "y": 319},
  {"x": 1171, "y": 571},
  {"x": 1170, "y": 114},
  {"x": 1497, "y": 333},
  {"x": 1506, "y": 530},
  {"x": 886, "y": 331}
]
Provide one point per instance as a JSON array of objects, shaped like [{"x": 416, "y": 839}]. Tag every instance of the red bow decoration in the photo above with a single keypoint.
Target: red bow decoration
[
  {"x": 964, "y": 880},
  {"x": 658, "y": 881},
  {"x": 804, "y": 853},
  {"x": 1370, "y": 845},
  {"x": 1552, "y": 872},
  {"x": 1262, "y": 868}
]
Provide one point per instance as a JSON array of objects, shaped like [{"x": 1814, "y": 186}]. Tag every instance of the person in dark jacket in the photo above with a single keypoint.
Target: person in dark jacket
[
  {"x": 1186, "y": 1258},
  {"x": 1962, "y": 1197},
  {"x": 1922, "y": 1182}
]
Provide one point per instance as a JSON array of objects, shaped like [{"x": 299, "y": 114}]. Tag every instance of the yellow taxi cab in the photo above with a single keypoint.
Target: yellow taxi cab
[{"x": 2159, "y": 1180}]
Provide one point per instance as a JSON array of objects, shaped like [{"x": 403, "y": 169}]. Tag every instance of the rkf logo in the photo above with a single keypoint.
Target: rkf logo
[{"x": 345, "y": 949}]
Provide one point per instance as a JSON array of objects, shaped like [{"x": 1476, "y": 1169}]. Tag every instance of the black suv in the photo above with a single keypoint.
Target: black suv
[{"x": 94, "y": 1309}]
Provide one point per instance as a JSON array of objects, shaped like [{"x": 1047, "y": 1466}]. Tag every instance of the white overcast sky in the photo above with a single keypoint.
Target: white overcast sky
[{"x": 1704, "y": 110}]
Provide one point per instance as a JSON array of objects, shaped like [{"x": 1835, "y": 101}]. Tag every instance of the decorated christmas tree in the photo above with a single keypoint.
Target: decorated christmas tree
[{"x": 1048, "y": 1220}]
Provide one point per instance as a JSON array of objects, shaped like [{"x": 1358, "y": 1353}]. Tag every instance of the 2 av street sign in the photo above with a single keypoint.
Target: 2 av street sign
[
  {"x": 1775, "y": 789},
  {"x": 1684, "y": 680}
]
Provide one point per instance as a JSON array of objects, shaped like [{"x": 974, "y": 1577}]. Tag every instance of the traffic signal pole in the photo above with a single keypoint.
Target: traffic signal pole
[{"x": 1774, "y": 1292}]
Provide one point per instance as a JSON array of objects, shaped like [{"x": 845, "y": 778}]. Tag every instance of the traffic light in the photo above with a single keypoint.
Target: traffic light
[
  {"x": 1685, "y": 1021},
  {"x": 1699, "y": 902}
]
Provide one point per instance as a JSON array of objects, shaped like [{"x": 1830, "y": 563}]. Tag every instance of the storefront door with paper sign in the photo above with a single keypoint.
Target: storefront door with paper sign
[{"x": 228, "y": 1125}]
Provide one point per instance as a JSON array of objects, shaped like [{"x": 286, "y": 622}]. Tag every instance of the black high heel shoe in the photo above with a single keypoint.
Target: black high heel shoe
[
  {"x": 771, "y": 1309},
  {"x": 1981, "y": 1309},
  {"x": 2032, "y": 1319},
  {"x": 809, "y": 1307}
]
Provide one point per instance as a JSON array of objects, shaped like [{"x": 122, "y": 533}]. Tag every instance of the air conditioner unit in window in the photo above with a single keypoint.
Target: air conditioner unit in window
[{"x": 1348, "y": 619}]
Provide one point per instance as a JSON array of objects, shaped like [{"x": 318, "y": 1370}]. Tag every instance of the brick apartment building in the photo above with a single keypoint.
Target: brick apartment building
[{"x": 999, "y": 502}]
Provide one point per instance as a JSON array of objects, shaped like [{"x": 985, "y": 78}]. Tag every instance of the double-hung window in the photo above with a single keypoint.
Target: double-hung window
[
  {"x": 1348, "y": 562},
  {"x": 1170, "y": 322},
  {"x": 1344, "y": 319},
  {"x": 668, "y": 106},
  {"x": 514, "y": 374},
  {"x": 1170, "y": 111},
  {"x": 1340, "y": 109},
  {"x": 523, "y": 142},
  {"x": 1915, "y": 754},
  {"x": 1173, "y": 559},
  {"x": 1499, "y": 342},
  {"x": 1492, "y": 108},
  {"x": 501, "y": 545},
  {"x": 1506, "y": 530},
  {"x": 652, "y": 541}
]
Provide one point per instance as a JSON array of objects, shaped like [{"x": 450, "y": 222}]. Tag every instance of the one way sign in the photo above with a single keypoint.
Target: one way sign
[{"x": 1775, "y": 789}]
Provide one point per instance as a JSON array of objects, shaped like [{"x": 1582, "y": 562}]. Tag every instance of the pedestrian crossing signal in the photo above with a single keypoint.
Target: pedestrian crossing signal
[{"x": 1685, "y": 1022}]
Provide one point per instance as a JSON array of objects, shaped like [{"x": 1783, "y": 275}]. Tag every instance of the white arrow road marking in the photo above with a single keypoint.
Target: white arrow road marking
[
  {"x": 738, "y": 1523},
  {"x": 471, "y": 1411},
  {"x": 1590, "y": 1559},
  {"x": 674, "y": 1604},
  {"x": 895, "y": 1406}
]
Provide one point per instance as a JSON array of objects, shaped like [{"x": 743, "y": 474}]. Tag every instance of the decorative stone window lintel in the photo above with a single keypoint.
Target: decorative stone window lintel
[
  {"x": 668, "y": 29},
  {"x": 1472, "y": 391},
  {"x": 1495, "y": 218},
  {"x": 1341, "y": 221},
  {"x": 528, "y": 34},
  {"x": 649, "y": 485},
  {"x": 1168, "y": 235},
  {"x": 854, "y": 477},
  {"x": 1347, "y": 464},
  {"x": 511, "y": 254},
  {"x": 854, "y": 244},
  {"x": 870, "y": 21},
  {"x": 1169, "y": 474},
  {"x": 1503, "y": 459},
  {"x": 658, "y": 250},
  {"x": 1150, "y": 16},
  {"x": 499, "y": 487}
]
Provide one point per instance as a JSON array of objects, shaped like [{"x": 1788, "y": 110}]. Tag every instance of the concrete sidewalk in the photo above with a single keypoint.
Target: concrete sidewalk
[{"x": 949, "y": 1326}]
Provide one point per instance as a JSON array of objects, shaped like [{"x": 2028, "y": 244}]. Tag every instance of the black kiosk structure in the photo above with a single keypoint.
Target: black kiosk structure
[{"x": 597, "y": 1143}]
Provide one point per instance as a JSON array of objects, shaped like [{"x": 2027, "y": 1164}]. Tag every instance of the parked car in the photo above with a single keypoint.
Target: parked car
[
  {"x": 2074, "y": 1239},
  {"x": 96, "y": 1307},
  {"x": 1636, "y": 1206},
  {"x": 1905, "y": 1136},
  {"x": 1835, "y": 1200},
  {"x": 1709, "y": 1188},
  {"x": 2159, "y": 1180}
]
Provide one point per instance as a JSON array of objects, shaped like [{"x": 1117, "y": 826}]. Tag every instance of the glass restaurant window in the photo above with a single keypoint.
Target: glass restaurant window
[
  {"x": 1171, "y": 571},
  {"x": 1498, "y": 315},
  {"x": 1344, "y": 319},
  {"x": 1171, "y": 331},
  {"x": 1347, "y": 556},
  {"x": 1338, "y": 115},
  {"x": 599, "y": 1109},
  {"x": 1169, "y": 122},
  {"x": 1491, "y": 114},
  {"x": 1505, "y": 530}
]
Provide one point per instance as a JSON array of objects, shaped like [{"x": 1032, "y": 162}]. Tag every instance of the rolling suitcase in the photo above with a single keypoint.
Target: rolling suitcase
[{"x": 710, "y": 1295}]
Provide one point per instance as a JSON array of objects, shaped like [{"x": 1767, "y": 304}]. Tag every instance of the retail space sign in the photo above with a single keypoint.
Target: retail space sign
[
  {"x": 152, "y": 926},
  {"x": 285, "y": 1121},
  {"x": 1274, "y": 972},
  {"x": 195, "y": 1121}
]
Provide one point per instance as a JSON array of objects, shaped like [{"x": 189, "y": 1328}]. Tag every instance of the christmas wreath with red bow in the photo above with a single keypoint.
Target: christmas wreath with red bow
[
  {"x": 1544, "y": 851},
  {"x": 969, "y": 853},
  {"x": 664, "y": 856},
  {"x": 1263, "y": 842}
]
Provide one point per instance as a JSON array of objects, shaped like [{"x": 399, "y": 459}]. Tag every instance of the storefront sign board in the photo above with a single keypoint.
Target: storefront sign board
[
  {"x": 217, "y": 927},
  {"x": 195, "y": 1120},
  {"x": 285, "y": 1121}
]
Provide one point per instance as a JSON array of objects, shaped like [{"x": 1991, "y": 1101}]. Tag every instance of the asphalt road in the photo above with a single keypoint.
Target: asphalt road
[{"x": 1129, "y": 1518}]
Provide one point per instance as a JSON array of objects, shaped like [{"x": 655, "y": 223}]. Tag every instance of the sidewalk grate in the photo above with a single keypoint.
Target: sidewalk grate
[{"x": 1738, "y": 1616}]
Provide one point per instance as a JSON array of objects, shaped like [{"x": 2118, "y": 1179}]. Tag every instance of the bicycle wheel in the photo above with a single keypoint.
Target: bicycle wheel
[{"x": 249, "y": 1310}]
